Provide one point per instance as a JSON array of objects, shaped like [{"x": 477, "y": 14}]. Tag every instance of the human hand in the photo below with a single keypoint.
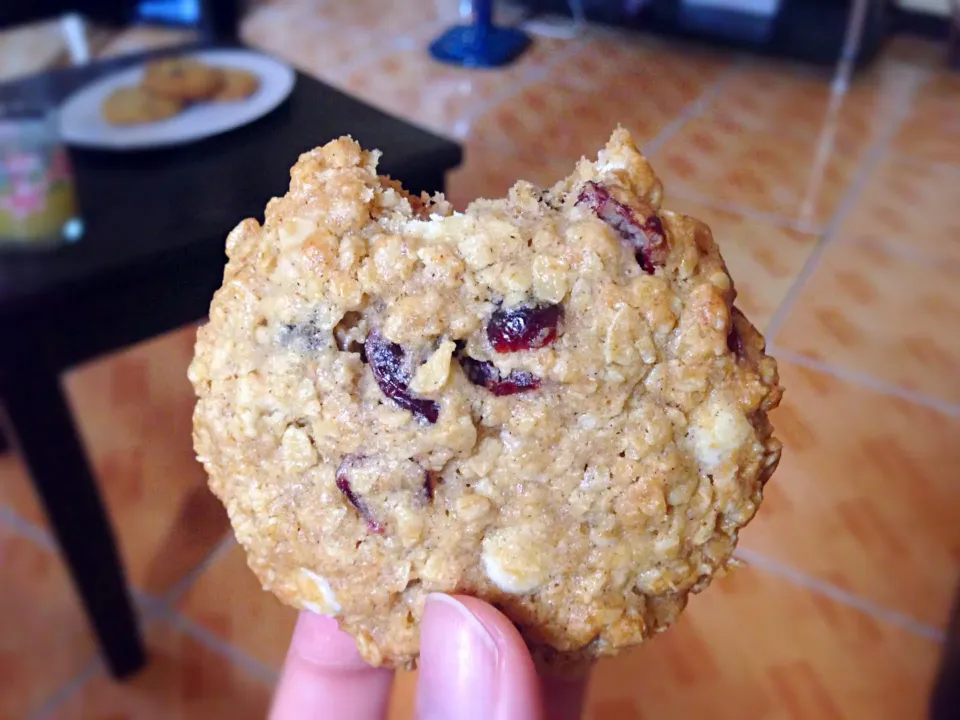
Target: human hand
[{"x": 473, "y": 666}]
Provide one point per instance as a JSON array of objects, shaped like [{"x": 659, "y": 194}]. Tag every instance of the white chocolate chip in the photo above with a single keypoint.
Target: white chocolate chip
[
  {"x": 471, "y": 507},
  {"x": 324, "y": 601},
  {"x": 298, "y": 451},
  {"x": 433, "y": 374},
  {"x": 515, "y": 559},
  {"x": 550, "y": 281},
  {"x": 716, "y": 433},
  {"x": 628, "y": 341},
  {"x": 293, "y": 231}
]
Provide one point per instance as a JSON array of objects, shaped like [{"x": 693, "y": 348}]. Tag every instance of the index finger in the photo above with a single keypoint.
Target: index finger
[{"x": 324, "y": 677}]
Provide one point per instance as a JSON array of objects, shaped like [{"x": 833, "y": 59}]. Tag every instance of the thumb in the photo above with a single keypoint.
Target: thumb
[
  {"x": 473, "y": 664},
  {"x": 324, "y": 677}
]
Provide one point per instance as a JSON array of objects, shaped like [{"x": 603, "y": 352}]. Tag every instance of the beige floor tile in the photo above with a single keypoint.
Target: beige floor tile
[
  {"x": 586, "y": 94},
  {"x": 411, "y": 84},
  {"x": 865, "y": 496},
  {"x": 723, "y": 156},
  {"x": 631, "y": 67},
  {"x": 16, "y": 490},
  {"x": 134, "y": 412},
  {"x": 184, "y": 680},
  {"x": 228, "y": 601},
  {"x": 754, "y": 647},
  {"x": 797, "y": 100},
  {"x": 43, "y": 633},
  {"x": 489, "y": 173},
  {"x": 871, "y": 310},
  {"x": 763, "y": 259},
  {"x": 545, "y": 118},
  {"x": 913, "y": 204},
  {"x": 296, "y": 35},
  {"x": 931, "y": 130},
  {"x": 133, "y": 409},
  {"x": 387, "y": 17}
]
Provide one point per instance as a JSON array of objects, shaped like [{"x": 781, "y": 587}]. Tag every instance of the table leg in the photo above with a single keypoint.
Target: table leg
[{"x": 42, "y": 428}]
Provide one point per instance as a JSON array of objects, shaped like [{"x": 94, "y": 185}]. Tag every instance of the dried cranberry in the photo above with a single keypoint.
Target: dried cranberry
[
  {"x": 647, "y": 238},
  {"x": 390, "y": 371},
  {"x": 343, "y": 484},
  {"x": 523, "y": 328},
  {"x": 734, "y": 339},
  {"x": 481, "y": 372},
  {"x": 734, "y": 343}
]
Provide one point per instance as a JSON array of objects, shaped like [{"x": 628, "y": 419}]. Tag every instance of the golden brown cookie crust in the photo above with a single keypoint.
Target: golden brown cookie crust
[
  {"x": 351, "y": 413},
  {"x": 236, "y": 84},
  {"x": 181, "y": 79},
  {"x": 135, "y": 106}
]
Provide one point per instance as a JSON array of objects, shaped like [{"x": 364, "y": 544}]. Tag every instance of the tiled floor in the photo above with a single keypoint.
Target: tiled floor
[{"x": 840, "y": 222}]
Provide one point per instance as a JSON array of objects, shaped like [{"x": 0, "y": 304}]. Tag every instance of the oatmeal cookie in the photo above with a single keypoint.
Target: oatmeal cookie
[
  {"x": 548, "y": 401},
  {"x": 236, "y": 84},
  {"x": 181, "y": 78},
  {"x": 134, "y": 106}
]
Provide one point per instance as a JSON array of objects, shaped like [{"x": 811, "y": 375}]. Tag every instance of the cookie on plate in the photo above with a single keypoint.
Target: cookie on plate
[
  {"x": 133, "y": 105},
  {"x": 548, "y": 401},
  {"x": 236, "y": 84},
  {"x": 181, "y": 78}
]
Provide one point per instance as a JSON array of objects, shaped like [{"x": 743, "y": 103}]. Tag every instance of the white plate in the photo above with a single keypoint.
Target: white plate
[{"x": 81, "y": 122}]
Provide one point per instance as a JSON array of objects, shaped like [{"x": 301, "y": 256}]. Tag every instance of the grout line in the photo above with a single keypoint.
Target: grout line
[
  {"x": 695, "y": 107},
  {"x": 149, "y": 606},
  {"x": 26, "y": 529},
  {"x": 253, "y": 667},
  {"x": 845, "y": 597},
  {"x": 883, "y": 387},
  {"x": 177, "y": 590},
  {"x": 782, "y": 221},
  {"x": 848, "y": 199},
  {"x": 67, "y": 689}
]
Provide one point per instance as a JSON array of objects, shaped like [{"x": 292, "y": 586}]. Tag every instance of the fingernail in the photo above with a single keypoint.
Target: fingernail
[{"x": 458, "y": 663}]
